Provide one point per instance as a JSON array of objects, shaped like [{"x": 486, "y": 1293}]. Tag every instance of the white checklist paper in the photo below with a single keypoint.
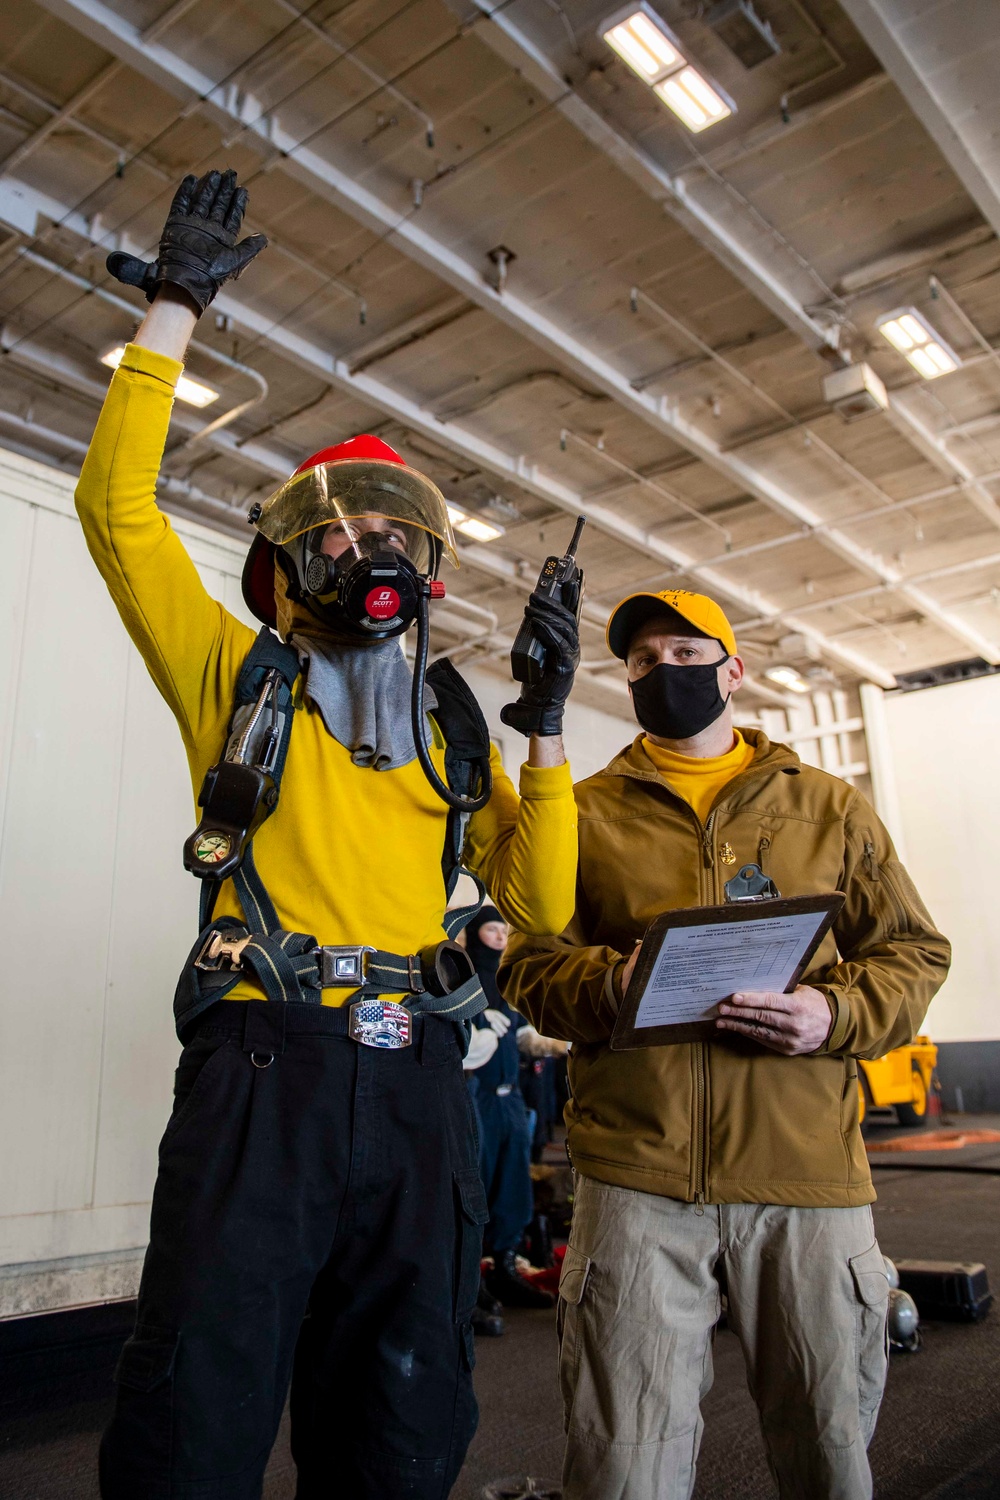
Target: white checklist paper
[{"x": 697, "y": 967}]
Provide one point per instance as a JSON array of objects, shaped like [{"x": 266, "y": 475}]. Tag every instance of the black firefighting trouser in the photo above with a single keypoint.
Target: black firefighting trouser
[{"x": 318, "y": 1203}]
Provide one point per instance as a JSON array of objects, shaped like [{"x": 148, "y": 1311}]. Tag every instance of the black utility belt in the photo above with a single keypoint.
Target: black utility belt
[{"x": 438, "y": 974}]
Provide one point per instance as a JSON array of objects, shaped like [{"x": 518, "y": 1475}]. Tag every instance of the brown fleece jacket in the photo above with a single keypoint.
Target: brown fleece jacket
[{"x": 729, "y": 1121}]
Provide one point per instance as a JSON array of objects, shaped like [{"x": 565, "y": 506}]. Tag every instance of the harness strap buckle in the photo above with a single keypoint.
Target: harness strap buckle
[
  {"x": 414, "y": 969},
  {"x": 218, "y": 950},
  {"x": 343, "y": 967}
]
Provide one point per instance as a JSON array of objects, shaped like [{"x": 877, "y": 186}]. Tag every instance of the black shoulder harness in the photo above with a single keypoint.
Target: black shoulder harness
[{"x": 241, "y": 792}]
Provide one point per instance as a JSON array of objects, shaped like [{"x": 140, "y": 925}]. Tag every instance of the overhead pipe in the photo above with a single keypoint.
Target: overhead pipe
[
  {"x": 811, "y": 438},
  {"x": 567, "y": 435},
  {"x": 950, "y": 570},
  {"x": 579, "y": 393},
  {"x": 180, "y": 490},
  {"x": 876, "y": 513},
  {"x": 358, "y": 62},
  {"x": 832, "y": 532}
]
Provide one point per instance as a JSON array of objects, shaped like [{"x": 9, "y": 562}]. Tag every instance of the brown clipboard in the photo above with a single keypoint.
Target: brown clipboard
[{"x": 627, "y": 1035}]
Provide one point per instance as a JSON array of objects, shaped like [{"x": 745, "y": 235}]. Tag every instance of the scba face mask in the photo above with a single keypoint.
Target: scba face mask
[
  {"x": 676, "y": 703},
  {"x": 370, "y": 591}
]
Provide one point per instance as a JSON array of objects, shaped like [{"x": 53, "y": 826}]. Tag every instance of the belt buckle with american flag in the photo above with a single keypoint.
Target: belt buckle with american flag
[{"x": 381, "y": 1023}]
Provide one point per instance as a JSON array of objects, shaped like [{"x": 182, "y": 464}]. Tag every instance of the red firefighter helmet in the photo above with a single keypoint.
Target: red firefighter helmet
[{"x": 362, "y": 477}]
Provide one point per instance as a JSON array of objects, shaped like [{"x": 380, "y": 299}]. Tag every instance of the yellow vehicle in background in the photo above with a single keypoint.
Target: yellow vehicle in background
[{"x": 902, "y": 1079}]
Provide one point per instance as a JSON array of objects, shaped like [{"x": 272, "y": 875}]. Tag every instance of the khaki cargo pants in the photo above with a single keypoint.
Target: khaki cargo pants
[{"x": 639, "y": 1298}]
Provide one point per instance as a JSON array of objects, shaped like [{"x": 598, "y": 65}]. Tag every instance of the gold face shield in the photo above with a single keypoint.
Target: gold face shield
[{"x": 356, "y": 489}]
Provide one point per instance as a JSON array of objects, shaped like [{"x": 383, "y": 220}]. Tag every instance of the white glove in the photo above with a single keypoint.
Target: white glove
[
  {"x": 481, "y": 1048},
  {"x": 533, "y": 1045},
  {"x": 497, "y": 1019}
]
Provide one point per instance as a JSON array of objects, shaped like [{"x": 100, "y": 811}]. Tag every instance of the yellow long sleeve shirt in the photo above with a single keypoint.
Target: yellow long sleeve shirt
[
  {"x": 699, "y": 781},
  {"x": 351, "y": 855}
]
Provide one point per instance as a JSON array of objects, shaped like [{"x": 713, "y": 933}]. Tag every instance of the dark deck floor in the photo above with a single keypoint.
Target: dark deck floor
[{"x": 938, "y": 1437}]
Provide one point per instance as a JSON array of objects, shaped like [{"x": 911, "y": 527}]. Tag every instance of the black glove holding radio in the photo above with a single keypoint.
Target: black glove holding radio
[
  {"x": 539, "y": 708},
  {"x": 198, "y": 249}
]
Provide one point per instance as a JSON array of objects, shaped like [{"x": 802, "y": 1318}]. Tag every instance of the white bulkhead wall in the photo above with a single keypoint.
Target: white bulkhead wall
[
  {"x": 96, "y": 913},
  {"x": 939, "y": 772}
]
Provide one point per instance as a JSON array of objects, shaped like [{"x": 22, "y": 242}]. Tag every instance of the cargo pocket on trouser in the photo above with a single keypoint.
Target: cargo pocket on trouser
[
  {"x": 872, "y": 1287},
  {"x": 472, "y": 1216},
  {"x": 136, "y": 1451},
  {"x": 572, "y": 1285}
]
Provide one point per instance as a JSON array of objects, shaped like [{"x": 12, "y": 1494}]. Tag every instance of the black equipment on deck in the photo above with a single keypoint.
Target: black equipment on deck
[{"x": 951, "y": 1291}]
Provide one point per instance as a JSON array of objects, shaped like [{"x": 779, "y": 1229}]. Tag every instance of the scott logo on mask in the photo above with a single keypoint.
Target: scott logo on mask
[{"x": 382, "y": 604}]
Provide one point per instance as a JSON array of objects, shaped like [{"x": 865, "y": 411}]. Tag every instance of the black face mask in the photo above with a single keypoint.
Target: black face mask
[{"x": 677, "y": 703}]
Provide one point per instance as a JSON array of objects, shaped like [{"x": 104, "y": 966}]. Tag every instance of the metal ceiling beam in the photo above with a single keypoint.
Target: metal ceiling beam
[
  {"x": 23, "y": 205},
  {"x": 757, "y": 259},
  {"x": 232, "y": 106},
  {"x": 939, "y": 65},
  {"x": 949, "y": 570},
  {"x": 933, "y": 447}
]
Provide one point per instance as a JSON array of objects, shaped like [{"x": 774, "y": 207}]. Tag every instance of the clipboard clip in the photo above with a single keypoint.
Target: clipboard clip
[{"x": 751, "y": 884}]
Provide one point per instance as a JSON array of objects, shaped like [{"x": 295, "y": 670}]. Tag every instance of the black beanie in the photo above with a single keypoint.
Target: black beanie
[{"x": 484, "y": 958}]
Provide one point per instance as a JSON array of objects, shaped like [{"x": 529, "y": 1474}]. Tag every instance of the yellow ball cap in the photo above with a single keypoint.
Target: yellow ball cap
[{"x": 695, "y": 609}]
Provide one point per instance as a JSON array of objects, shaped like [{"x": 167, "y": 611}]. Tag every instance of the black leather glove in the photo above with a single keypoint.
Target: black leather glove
[
  {"x": 198, "y": 249},
  {"x": 539, "y": 708}
]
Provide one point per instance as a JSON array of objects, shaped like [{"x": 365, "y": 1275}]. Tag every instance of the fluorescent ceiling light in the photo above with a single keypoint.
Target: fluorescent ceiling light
[
  {"x": 787, "y": 677},
  {"x": 652, "y": 51},
  {"x": 472, "y": 526},
  {"x": 194, "y": 392},
  {"x": 646, "y": 49},
  {"x": 909, "y": 332},
  {"x": 692, "y": 100}
]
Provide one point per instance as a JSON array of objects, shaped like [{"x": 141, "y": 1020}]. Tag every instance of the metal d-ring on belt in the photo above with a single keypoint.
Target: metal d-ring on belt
[{"x": 441, "y": 978}]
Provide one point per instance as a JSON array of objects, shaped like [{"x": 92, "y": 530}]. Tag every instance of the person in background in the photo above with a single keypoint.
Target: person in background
[{"x": 505, "y": 1132}]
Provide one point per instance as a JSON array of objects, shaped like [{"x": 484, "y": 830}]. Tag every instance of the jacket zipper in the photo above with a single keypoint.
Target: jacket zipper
[
  {"x": 762, "y": 848},
  {"x": 883, "y": 878}
]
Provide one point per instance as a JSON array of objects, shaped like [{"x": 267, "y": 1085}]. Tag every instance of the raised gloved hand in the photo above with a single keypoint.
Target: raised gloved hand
[
  {"x": 198, "y": 250},
  {"x": 497, "y": 1021},
  {"x": 539, "y": 707}
]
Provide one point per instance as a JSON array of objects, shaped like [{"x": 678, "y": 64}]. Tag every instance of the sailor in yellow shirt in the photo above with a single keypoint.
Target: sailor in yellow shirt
[{"x": 318, "y": 1204}]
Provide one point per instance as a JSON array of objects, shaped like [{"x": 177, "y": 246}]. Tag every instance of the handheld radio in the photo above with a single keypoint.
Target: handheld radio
[{"x": 562, "y": 580}]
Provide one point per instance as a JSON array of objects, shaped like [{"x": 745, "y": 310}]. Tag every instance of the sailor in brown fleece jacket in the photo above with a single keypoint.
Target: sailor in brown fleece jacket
[{"x": 735, "y": 1165}]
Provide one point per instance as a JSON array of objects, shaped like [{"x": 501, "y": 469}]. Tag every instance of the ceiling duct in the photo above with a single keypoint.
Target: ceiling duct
[
  {"x": 944, "y": 673},
  {"x": 855, "y": 391},
  {"x": 744, "y": 32}
]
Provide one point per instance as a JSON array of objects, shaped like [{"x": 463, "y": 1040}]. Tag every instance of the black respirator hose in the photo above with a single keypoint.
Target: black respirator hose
[{"x": 444, "y": 791}]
